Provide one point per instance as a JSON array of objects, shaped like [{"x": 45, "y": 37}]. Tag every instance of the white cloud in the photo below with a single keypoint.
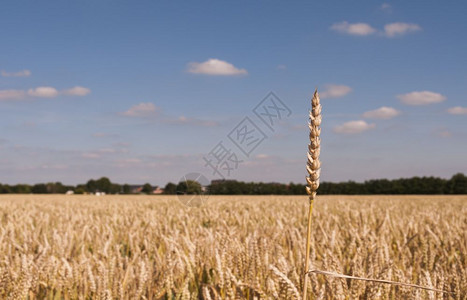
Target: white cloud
[
  {"x": 11, "y": 94},
  {"x": 386, "y": 7},
  {"x": 122, "y": 144},
  {"x": 190, "y": 121},
  {"x": 398, "y": 29},
  {"x": 384, "y": 113},
  {"x": 141, "y": 110},
  {"x": 144, "y": 110},
  {"x": 354, "y": 127},
  {"x": 91, "y": 155},
  {"x": 421, "y": 98},
  {"x": 43, "y": 92},
  {"x": 215, "y": 67},
  {"x": 360, "y": 29},
  {"x": 107, "y": 150},
  {"x": 458, "y": 110},
  {"x": 77, "y": 91},
  {"x": 445, "y": 133},
  {"x": 128, "y": 161},
  {"x": 363, "y": 29},
  {"x": 335, "y": 91},
  {"x": 23, "y": 73},
  {"x": 101, "y": 153}
]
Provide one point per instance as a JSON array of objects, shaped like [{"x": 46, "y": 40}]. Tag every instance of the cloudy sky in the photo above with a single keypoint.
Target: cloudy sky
[{"x": 147, "y": 92}]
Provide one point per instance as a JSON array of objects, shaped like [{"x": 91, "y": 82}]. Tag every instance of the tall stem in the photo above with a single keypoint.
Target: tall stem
[
  {"x": 308, "y": 245},
  {"x": 313, "y": 168}
]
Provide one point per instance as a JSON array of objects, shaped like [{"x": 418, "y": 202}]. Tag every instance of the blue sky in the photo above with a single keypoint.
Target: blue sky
[{"x": 143, "y": 91}]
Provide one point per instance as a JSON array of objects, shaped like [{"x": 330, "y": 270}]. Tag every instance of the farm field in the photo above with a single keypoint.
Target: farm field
[{"x": 233, "y": 247}]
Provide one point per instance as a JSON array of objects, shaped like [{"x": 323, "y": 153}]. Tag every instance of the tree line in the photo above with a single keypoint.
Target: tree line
[
  {"x": 457, "y": 184},
  {"x": 101, "y": 185}
]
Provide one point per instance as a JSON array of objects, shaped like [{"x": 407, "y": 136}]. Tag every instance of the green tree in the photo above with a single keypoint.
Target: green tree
[
  {"x": 103, "y": 184},
  {"x": 80, "y": 190},
  {"x": 5, "y": 189},
  {"x": 147, "y": 188},
  {"x": 170, "y": 188},
  {"x": 115, "y": 188},
  {"x": 21, "y": 189},
  {"x": 91, "y": 186},
  {"x": 189, "y": 187},
  {"x": 126, "y": 189},
  {"x": 56, "y": 188},
  {"x": 39, "y": 188},
  {"x": 457, "y": 184}
]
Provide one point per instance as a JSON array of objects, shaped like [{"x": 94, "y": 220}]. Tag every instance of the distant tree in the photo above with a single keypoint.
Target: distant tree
[
  {"x": 296, "y": 189},
  {"x": 433, "y": 185},
  {"x": 457, "y": 184},
  {"x": 115, "y": 188},
  {"x": 189, "y": 187},
  {"x": 233, "y": 187},
  {"x": 80, "y": 190},
  {"x": 170, "y": 188},
  {"x": 350, "y": 188},
  {"x": 147, "y": 188},
  {"x": 216, "y": 189},
  {"x": 126, "y": 189},
  {"x": 39, "y": 188},
  {"x": 91, "y": 186},
  {"x": 415, "y": 185},
  {"x": 67, "y": 188},
  {"x": 5, "y": 189},
  {"x": 379, "y": 186},
  {"x": 21, "y": 189},
  {"x": 56, "y": 188},
  {"x": 103, "y": 184}
]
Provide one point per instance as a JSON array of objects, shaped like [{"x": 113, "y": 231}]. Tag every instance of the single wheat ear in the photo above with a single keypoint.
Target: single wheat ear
[{"x": 313, "y": 168}]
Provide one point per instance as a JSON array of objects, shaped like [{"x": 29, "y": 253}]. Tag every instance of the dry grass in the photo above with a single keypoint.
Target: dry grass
[{"x": 86, "y": 247}]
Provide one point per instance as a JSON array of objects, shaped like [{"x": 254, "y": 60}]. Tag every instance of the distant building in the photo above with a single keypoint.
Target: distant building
[
  {"x": 158, "y": 191},
  {"x": 136, "y": 189}
]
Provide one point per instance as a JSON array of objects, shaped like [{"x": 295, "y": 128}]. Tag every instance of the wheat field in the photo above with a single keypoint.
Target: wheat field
[{"x": 250, "y": 247}]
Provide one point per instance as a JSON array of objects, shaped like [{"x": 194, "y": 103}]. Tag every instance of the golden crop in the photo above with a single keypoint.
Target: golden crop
[{"x": 153, "y": 247}]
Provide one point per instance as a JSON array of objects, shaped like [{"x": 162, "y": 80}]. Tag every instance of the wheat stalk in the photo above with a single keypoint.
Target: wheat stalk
[
  {"x": 313, "y": 168},
  {"x": 334, "y": 274}
]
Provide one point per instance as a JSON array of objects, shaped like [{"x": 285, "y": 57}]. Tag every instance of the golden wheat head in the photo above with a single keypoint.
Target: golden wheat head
[{"x": 313, "y": 165}]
